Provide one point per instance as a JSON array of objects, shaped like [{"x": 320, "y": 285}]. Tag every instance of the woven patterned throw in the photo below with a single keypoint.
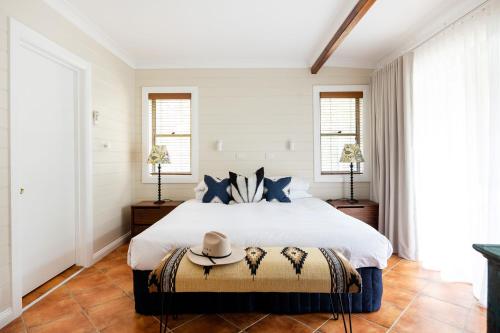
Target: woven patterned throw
[{"x": 266, "y": 269}]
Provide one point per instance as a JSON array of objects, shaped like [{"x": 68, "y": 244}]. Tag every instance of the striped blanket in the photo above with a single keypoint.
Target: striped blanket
[{"x": 266, "y": 269}]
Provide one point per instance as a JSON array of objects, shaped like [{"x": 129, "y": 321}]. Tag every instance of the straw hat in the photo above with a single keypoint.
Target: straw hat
[{"x": 216, "y": 250}]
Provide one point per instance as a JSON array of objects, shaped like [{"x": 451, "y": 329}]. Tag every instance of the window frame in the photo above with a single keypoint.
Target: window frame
[
  {"x": 340, "y": 177},
  {"x": 147, "y": 177}
]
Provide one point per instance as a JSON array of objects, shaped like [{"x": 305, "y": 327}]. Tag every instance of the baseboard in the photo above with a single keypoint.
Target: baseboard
[
  {"x": 6, "y": 316},
  {"x": 110, "y": 247}
]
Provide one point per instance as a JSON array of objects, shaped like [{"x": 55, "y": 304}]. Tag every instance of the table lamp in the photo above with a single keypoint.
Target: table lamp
[
  {"x": 352, "y": 154},
  {"x": 159, "y": 155}
]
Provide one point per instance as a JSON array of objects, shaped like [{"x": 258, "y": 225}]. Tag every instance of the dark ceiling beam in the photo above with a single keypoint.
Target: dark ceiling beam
[{"x": 349, "y": 23}]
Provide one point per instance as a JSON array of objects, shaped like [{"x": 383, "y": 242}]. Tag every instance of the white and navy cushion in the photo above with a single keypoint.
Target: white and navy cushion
[
  {"x": 277, "y": 190},
  {"x": 247, "y": 189},
  {"x": 216, "y": 190}
]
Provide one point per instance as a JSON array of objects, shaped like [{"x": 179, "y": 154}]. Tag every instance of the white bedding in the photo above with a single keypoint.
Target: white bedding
[{"x": 304, "y": 222}]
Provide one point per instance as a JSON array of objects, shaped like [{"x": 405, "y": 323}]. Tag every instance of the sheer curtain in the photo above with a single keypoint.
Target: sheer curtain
[{"x": 456, "y": 138}]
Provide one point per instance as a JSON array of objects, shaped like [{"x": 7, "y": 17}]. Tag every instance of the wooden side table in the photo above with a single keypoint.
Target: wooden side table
[
  {"x": 147, "y": 213},
  {"x": 364, "y": 210}
]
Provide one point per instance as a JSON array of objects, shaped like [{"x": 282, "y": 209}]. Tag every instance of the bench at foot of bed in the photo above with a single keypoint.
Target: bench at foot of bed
[{"x": 369, "y": 300}]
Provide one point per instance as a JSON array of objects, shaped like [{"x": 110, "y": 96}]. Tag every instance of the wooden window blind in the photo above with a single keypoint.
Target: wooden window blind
[
  {"x": 340, "y": 123},
  {"x": 170, "y": 124}
]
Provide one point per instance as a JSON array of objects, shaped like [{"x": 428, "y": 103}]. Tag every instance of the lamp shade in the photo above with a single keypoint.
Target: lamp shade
[
  {"x": 159, "y": 155},
  {"x": 351, "y": 154}
]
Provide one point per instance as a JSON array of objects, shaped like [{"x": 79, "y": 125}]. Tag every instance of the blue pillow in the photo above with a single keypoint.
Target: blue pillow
[
  {"x": 277, "y": 190},
  {"x": 217, "y": 190}
]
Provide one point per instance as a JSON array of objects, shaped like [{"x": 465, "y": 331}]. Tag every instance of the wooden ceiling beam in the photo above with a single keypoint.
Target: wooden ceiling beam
[{"x": 349, "y": 23}]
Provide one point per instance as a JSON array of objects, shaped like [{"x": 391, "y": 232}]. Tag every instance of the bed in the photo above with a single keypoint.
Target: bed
[{"x": 303, "y": 222}]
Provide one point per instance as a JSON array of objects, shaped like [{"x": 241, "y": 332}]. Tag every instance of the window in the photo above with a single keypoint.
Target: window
[
  {"x": 170, "y": 120},
  {"x": 339, "y": 119}
]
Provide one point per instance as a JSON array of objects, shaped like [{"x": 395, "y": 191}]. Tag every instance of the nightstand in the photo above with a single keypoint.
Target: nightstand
[
  {"x": 147, "y": 213},
  {"x": 364, "y": 210}
]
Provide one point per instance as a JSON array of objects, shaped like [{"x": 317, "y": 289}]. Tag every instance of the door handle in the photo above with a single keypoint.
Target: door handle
[{"x": 21, "y": 190}]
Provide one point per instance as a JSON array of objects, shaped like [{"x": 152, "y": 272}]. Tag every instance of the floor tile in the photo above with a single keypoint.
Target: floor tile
[
  {"x": 180, "y": 319},
  {"x": 48, "y": 310},
  {"x": 404, "y": 282},
  {"x": 456, "y": 293},
  {"x": 413, "y": 322},
  {"x": 446, "y": 312},
  {"x": 313, "y": 320},
  {"x": 397, "y": 296},
  {"x": 87, "y": 281},
  {"x": 207, "y": 324},
  {"x": 476, "y": 320},
  {"x": 75, "y": 323},
  {"x": 243, "y": 320},
  {"x": 386, "y": 316},
  {"x": 278, "y": 323},
  {"x": 101, "y": 294},
  {"x": 17, "y": 326},
  {"x": 126, "y": 285},
  {"x": 358, "y": 325},
  {"x": 107, "y": 314},
  {"x": 119, "y": 272},
  {"x": 413, "y": 268},
  {"x": 107, "y": 263},
  {"x": 134, "y": 324}
]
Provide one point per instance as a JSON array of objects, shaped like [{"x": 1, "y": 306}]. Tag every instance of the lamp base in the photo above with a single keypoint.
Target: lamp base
[
  {"x": 159, "y": 202},
  {"x": 353, "y": 201}
]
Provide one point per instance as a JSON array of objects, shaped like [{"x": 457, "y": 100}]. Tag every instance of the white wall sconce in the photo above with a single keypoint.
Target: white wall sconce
[
  {"x": 291, "y": 145},
  {"x": 218, "y": 145}
]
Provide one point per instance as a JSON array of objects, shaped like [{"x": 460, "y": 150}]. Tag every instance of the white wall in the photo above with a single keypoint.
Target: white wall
[
  {"x": 254, "y": 111},
  {"x": 113, "y": 96}
]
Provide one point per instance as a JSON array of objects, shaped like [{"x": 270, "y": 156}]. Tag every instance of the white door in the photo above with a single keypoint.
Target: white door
[{"x": 44, "y": 165}]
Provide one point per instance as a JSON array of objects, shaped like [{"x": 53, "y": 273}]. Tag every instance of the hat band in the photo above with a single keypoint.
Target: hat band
[{"x": 203, "y": 254}]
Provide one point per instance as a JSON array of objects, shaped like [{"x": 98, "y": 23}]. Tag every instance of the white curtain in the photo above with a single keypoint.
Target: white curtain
[
  {"x": 391, "y": 112},
  {"x": 456, "y": 135}
]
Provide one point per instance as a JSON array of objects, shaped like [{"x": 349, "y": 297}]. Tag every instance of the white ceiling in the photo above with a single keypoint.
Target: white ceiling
[{"x": 258, "y": 33}]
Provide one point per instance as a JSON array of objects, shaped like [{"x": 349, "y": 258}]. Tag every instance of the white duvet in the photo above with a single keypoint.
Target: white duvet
[{"x": 308, "y": 222}]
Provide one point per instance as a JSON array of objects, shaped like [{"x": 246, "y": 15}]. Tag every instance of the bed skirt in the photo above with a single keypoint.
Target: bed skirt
[{"x": 368, "y": 300}]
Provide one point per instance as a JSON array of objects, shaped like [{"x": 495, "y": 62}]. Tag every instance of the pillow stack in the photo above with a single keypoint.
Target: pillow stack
[{"x": 255, "y": 188}]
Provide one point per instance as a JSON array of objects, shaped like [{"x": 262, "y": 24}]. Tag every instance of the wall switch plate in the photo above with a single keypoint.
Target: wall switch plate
[{"x": 95, "y": 117}]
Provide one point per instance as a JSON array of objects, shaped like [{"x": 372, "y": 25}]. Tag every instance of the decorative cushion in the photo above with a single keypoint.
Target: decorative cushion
[
  {"x": 247, "y": 189},
  {"x": 277, "y": 190},
  {"x": 217, "y": 190}
]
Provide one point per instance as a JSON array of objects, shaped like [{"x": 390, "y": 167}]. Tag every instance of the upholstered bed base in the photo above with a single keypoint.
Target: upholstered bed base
[{"x": 368, "y": 300}]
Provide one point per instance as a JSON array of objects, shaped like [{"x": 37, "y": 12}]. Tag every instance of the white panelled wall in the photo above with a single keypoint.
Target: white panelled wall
[{"x": 255, "y": 112}]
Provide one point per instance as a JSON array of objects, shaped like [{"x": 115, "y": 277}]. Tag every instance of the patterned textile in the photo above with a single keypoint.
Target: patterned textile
[
  {"x": 217, "y": 190},
  {"x": 277, "y": 190},
  {"x": 247, "y": 189},
  {"x": 268, "y": 269}
]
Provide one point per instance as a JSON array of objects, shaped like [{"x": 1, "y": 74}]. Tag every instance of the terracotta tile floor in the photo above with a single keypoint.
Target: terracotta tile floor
[{"x": 100, "y": 299}]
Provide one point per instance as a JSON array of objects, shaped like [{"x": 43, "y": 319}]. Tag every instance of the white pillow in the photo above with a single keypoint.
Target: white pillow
[
  {"x": 294, "y": 195},
  {"x": 296, "y": 184}
]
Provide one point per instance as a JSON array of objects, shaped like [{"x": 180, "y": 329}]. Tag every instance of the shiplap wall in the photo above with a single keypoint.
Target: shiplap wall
[
  {"x": 113, "y": 97},
  {"x": 255, "y": 112}
]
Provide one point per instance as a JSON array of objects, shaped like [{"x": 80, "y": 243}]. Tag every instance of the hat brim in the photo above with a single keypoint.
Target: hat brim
[{"x": 237, "y": 254}]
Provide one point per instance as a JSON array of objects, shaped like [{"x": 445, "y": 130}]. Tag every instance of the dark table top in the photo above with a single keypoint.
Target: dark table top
[{"x": 490, "y": 251}]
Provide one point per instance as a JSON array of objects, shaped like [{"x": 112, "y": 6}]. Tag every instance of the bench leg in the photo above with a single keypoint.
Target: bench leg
[
  {"x": 341, "y": 308},
  {"x": 163, "y": 311}
]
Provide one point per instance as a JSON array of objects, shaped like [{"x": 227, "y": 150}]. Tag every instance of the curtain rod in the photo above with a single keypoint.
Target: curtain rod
[
  {"x": 385, "y": 63},
  {"x": 449, "y": 25}
]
